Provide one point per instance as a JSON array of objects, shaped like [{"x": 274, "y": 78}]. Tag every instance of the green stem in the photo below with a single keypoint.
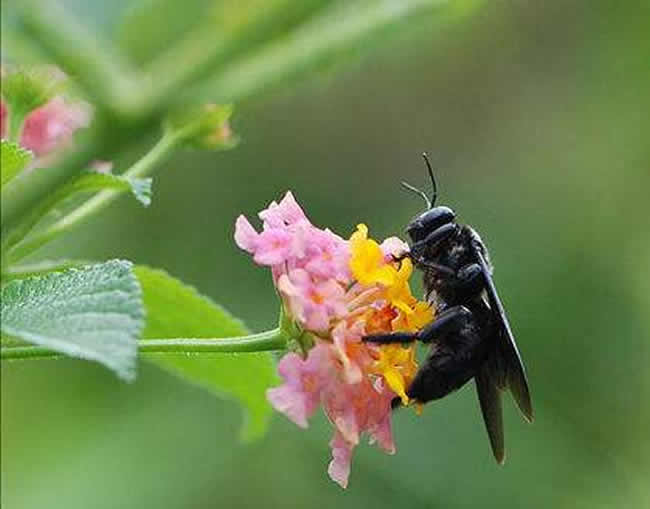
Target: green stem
[
  {"x": 16, "y": 121},
  {"x": 275, "y": 339},
  {"x": 23, "y": 194},
  {"x": 40, "y": 268},
  {"x": 145, "y": 166}
]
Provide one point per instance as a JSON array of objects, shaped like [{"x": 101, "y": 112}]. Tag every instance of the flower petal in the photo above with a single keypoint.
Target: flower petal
[
  {"x": 245, "y": 235},
  {"x": 299, "y": 397},
  {"x": 339, "y": 467},
  {"x": 273, "y": 247},
  {"x": 383, "y": 435},
  {"x": 51, "y": 126},
  {"x": 393, "y": 247}
]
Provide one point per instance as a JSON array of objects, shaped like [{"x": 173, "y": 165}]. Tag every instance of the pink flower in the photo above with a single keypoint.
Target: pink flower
[
  {"x": 354, "y": 382},
  {"x": 339, "y": 467},
  {"x": 286, "y": 213},
  {"x": 49, "y": 127},
  {"x": 274, "y": 247},
  {"x": 328, "y": 255},
  {"x": 299, "y": 397},
  {"x": 245, "y": 235},
  {"x": 3, "y": 120},
  {"x": 352, "y": 406},
  {"x": 393, "y": 247},
  {"x": 313, "y": 303}
]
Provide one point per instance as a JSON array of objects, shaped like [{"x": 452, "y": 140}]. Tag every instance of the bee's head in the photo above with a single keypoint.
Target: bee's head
[
  {"x": 429, "y": 221},
  {"x": 433, "y": 217}
]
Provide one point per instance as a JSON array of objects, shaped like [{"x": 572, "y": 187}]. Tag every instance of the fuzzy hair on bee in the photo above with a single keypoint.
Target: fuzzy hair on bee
[{"x": 470, "y": 337}]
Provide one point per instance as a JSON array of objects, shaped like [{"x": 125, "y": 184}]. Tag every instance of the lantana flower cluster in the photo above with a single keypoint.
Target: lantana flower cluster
[{"x": 337, "y": 291}]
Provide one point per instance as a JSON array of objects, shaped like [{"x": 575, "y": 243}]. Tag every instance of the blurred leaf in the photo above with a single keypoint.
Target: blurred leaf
[
  {"x": 94, "y": 313},
  {"x": 220, "y": 35},
  {"x": 328, "y": 36},
  {"x": 177, "y": 310},
  {"x": 95, "y": 181},
  {"x": 75, "y": 47},
  {"x": 141, "y": 35},
  {"x": 13, "y": 159}
]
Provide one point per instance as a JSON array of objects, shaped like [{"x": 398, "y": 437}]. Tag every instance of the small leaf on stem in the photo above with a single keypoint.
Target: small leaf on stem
[
  {"x": 13, "y": 160},
  {"x": 95, "y": 181}
]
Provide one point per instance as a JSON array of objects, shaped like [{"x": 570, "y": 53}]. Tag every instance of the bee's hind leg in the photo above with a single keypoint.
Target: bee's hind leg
[
  {"x": 393, "y": 337},
  {"x": 448, "y": 322}
]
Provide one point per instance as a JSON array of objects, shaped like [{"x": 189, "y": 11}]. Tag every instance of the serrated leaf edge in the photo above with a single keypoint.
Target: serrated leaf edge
[{"x": 139, "y": 316}]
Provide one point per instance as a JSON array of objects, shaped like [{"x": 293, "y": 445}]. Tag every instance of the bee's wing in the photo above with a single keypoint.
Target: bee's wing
[
  {"x": 489, "y": 397},
  {"x": 513, "y": 373}
]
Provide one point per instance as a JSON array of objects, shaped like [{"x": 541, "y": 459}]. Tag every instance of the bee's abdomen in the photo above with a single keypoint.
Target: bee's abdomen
[{"x": 432, "y": 382}]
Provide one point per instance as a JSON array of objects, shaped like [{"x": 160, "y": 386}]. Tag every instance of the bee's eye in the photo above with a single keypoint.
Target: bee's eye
[
  {"x": 429, "y": 221},
  {"x": 415, "y": 231}
]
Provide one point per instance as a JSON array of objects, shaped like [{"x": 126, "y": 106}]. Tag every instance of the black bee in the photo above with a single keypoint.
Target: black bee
[{"x": 470, "y": 336}]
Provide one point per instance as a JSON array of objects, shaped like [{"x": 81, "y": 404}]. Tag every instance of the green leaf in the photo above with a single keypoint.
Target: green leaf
[
  {"x": 177, "y": 310},
  {"x": 13, "y": 160},
  {"x": 139, "y": 33},
  {"x": 331, "y": 35},
  {"x": 93, "y": 313},
  {"x": 95, "y": 181}
]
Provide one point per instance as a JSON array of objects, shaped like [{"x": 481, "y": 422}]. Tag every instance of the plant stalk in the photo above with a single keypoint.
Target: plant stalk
[
  {"x": 145, "y": 166},
  {"x": 275, "y": 339}
]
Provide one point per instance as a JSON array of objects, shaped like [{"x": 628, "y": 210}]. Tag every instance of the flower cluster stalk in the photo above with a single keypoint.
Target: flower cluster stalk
[{"x": 275, "y": 339}]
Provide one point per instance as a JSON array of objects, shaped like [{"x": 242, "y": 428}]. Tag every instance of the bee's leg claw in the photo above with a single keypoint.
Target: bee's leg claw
[
  {"x": 396, "y": 403},
  {"x": 400, "y": 257}
]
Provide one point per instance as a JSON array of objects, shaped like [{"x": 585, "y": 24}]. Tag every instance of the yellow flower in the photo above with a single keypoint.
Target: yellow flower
[
  {"x": 369, "y": 267},
  {"x": 397, "y": 365},
  {"x": 420, "y": 315},
  {"x": 367, "y": 261},
  {"x": 399, "y": 293}
]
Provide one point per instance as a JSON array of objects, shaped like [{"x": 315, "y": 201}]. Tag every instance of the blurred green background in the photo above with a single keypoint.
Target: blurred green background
[{"x": 537, "y": 119}]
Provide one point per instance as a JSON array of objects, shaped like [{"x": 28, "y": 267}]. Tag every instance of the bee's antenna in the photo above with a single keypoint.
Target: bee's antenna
[
  {"x": 425, "y": 156},
  {"x": 409, "y": 187}
]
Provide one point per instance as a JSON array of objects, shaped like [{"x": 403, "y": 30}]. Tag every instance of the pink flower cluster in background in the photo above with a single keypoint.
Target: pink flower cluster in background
[
  {"x": 49, "y": 127},
  {"x": 337, "y": 291}
]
